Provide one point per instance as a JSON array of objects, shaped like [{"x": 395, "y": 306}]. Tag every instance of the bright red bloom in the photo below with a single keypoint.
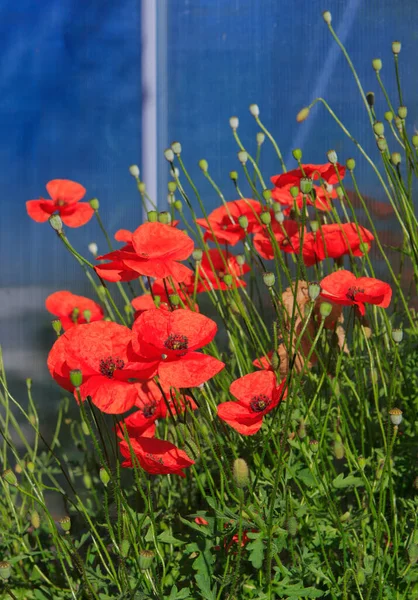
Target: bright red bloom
[
  {"x": 257, "y": 394},
  {"x": 157, "y": 457},
  {"x": 330, "y": 241},
  {"x": 215, "y": 264},
  {"x": 342, "y": 287},
  {"x": 170, "y": 339},
  {"x": 325, "y": 172},
  {"x": 70, "y": 309},
  {"x": 102, "y": 352},
  {"x": 155, "y": 250},
  {"x": 201, "y": 521},
  {"x": 65, "y": 196},
  {"x": 283, "y": 233},
  {"x": 223, "y": 222}
]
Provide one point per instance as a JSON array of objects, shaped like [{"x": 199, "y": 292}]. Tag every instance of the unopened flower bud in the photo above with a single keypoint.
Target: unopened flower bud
[
  {"x": 395, "y": 416},
  {"x": 297, "y": 154},
  {"x": 340, "y": 192},
  {"x": 325, "y": 309},
  {"x": 35, "y": 519},
  {"x": 240, "y": 259},
  {"x": 203, "y": 164},
  {"x": 241, "y": 473},
  {"x": 396, "y": 158},
  {"x": 382, "y": 144},
  {"x": 93, "y": 248},
  {"x": 164, "y": 217},
  {"x": 361, "y": 576},
  {"x": 398, "y": 123},
  {"x": 152, "y": 216},
  {"x": 146, "y": 558},
  {"x": 302, "y": 430},
  {"x": 176, "y": 148},
  {"x": 306, "y": 185},
  {"x": 197, "y": 254},
  {"x": 345, "y": 517},
  {"x": 87, "y": 315},
  {"x": 332, "y": 157},
  {"x": 94, "y": 203},
  {"x": 242, "y": 156},
  {"x": 265, "y": 218},
  {"x": 303, "y": 114},
  {"x": 56, "y": 326},
  {"x": 243, "y": 221},
  {"x": 388, "y": 116},
  {"x": 76, "y": 377},
  {"x": 174, "y": 299},
  {"x": 228, "y": 279},
  {"x": 339, "y": 451},
  {"x": 260, "y": 137},
  {"x": 377, "y": 64},
  {"x": 275, "y": 361},
  {"x": 292, "y": 526},
  {"x": 370, "y": 99},
  {"x": 65, "y": 523},
  {"x": 402, "y": 112},
  {"x": 172, "y": 186},
  {"x": 361, "y": 462},
  {"x": 267, "y": 195},
  {"x": 5, "y": 569},
  {"x": 279, "y": 216},
  {"x": 269, "y": 279},
  {"x": 234, "y": 123},
  {"x": 56, "y": 223},
  {"x": 254, "y": 110},
  {"x": 294, "y": 191},
  {"x": 351, "y": 164},
  {"x": 85, "y": 428},
  {"x": 9, "y": 477},
  {"x": 396, "y": 47},
  {"x": 415, "y": 141},
  {"x": 169, "y": 155},
  {"x": 134, "y": 171},
  {"x": 326, "y": 15},
  {"x": 314, "y": 289},
  {"x": 413, "y": 553},
  {"x": 178, "y": 205},
  {"x": 30, "y": 466},
  {"x": 378, "y": 128},
  {"x": 104, "y": 476},
  {"x": 125, "y": 547},
  {"x": 314, "y": 226},
  {"x": 233, "y": 175}
]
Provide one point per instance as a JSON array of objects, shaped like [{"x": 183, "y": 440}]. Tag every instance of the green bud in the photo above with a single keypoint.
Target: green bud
[
  {"x": 87, "y": 315},
  {"x": 382, "y": 144},
  {"x": 178, "y": 205},
  {"x": 125, "y": 547},
  {"x": 228, "y": 279},
  {"x": 242, "y": 156},
  {"x": 396, "y": 158},
  {"x": 398, "y": 123},
  {"x": 325, "y": 309},
  {"x": 175, "y": 299},
  {"x": 176, "y": 148},
  {"x": 326, "y": 15},
  {"x": 303, "y": 115},
  {"x": 275, "y": 361},
  {"x": 361, "y": 576},
  {"x": 94, "y": 203},
  {"x": 87, "y": 481},
  {"x": 35, "y": 519},
  {"x": 415, "y": 141},
  {"x": 269, "y": 279},
  {"x": 241, "y": 473},
  {"x": 172, "y": 186},
  {"x": 388, "y": 116},
  {"x": 260, "y": 137},
  {"x": 314, "y": 226},
  {"x": 370, "y": 99},
  {"x": 240, "y": 259},
  {"x": 265, "y": 218},
  {"x": 243, "y": 221},
  {"x": 134, "y": 171},
  {"x": 297, "y": 154},
  {"x": 314, "y": 289},
  {"x": 396, "y": 47},
  {"x": 413, "y": 553},
  {"x": 146, "y": 558},
  {"x": 56, "y": 326},
  {"x": 345, "y": 517},
  {"x": 292, "y": 526},
  {"x": 302, "y": 430},
  {"x": 152, "y": 216},
  {"x": 332, "y": 157},
  {"x": 169, "y": 155},
  {"x": 197, "y": 254},
  {"x": 306, "y": 185},
  {"x": 233, "y": 175},
  {"x": 339, "y": 451},
  {"x": 402, "y": 112},
  {"x": 378, "y": 128},
  {"x": 340, "y": 192},
  {"x": 267, "y": 195},
  {"x": 56, "y": 223},
  {"x": 104, "y": 476},
  {"x": 30, "y": 466},
  {"x": 85, "y": 428},
  {"x": 361, "y": 462},
  {"x": 5, "y": 569},
  {"x": 65, "y": 523},
  {"x": 294, "y": 191},
  {"x": 9, "y": 477},
  {"x": 377, "y": 64},
  {"x": 279, "y": 216},
  {"x": 76, "y": 377},
  {"x": 203, "y": 164},
  {"x": 351, "y": 164}
]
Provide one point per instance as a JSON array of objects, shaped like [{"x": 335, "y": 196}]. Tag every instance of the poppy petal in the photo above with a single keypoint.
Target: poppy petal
[
  {"x": 65, "y": 190},
  {"x": 240, "y": 418},
  {"x": 157, "y": 240},
  {"x": 40, "y": 210},
  {"x": 257, "y": 383},
  {"x": 191, "y": 370},
  {"x": 76, "y": 216},
  {"x": 110, "y": 396}
]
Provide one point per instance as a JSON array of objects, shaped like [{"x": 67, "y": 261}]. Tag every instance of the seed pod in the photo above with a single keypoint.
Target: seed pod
[
  {"x": 203, "y": 164},
  {"x": 176, "y": 148},
  {"x": 306, "y": 185},
  {"x": 9, "y": 477},
  {"x": 5, "y": 569},
  {"x": 254, "y": 110},
  {"x": 265, "y": 218},
  {"x": 146, "y": 558},
  {"x": 269, "y": 279},
  {"x": 152, "y": 216},
  {"x": 56, "y": 223},
  {"x": 240, "y": 472},
  {"x": 395, "y": 416},
  {"x": 65, "y": 523},
  {"x": 76, "y": 377}
]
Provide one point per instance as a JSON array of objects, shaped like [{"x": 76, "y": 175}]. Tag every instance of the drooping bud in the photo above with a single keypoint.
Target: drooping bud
[
  {"x": 234, "y": 123},
  {"x": 176, "y": 148},
  {"x": 152, "y": 216},
  {"x": 351, "y": 164},
  {"x": 326, "y": 15},
  {"x": 370, "y": 99},
  {"x": 260, "y": 137},
  {"x": 93, "y": 248},
  {"x": 297, "y": 154},
  {"x": 306, "y": 185},
  {"x": 396, "y": 47},
  {"x": 5, "y": 569},
  {"x": 378, "y": 128},
  {"x": 339, "y": 451},
  {"x": 169, "y": 155},
  {"x": 134, "y": 171},
  {"x": 303, "y": 114},
  {"x": 332, "y": 157},
  {"x": 197, "y": 254},
  {"x": 94, "y": 203},
  {"x": 241, "y": 473},
  {"x": 345, "y": 517},
  {"x": 275, "y": 361},
  {"x": 56, "y": 223},
  {"x": 395, "y": 416},
  {"x": 269, "y": 279},
  {"x": 402, "y": 112},
  {"x": 325, "y": 309},
  {"x": 265, "y": 218},
  {"x": 243, "y": 221},
  {"x": 203, "y": 164},
  {"x": 56, "y": 326},
  {"x": 9, "y": 477},
  {"x": 76, "y": 378},
  {"x": 146, "y": 558},
  {"x": 85, "y": 428},
  {"x": 242, "y": 156},
  {"x": 314, "y": 289},
  {"x": 302, "y": 430},
  {"x": 377, "y": 64},
  {"x": 65, "y": 523},
  {"x": 254, "y": 110},
  {"x": 104, "y": 476},
  {"x": 35, "y": 519}
]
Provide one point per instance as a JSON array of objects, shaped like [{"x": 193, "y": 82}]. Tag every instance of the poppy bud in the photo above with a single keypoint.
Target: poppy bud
[
  {"x": 402, "y": 112},
  {"x": 339, "y": 451},
  {"x": 378, "y": 128},
  {"x": 327, "y": 17},
  {"x": 174, "y": 299},
  {"x": 314, "y": 226},
  {"x": 275, "y": 361},
  {"x": 397, "y": 335},
  {"x": 242, "y": 157},
  {"x": 345, "y": 517},
  {"x": 94, "y": 203},
  {"x": 396, "y": 159},
  {"x": 314, "y": 289},
  {"x": 361, "y": 576},
  {"x": 164, "y": 217},
  {"x": 228, "y": 279},
  {"x": 302, "y": 114},
  {"x": 87, "y": 315},
  {"x": 340, "y": 192},
  {"x": 35, "y": 519},
  {"x": 241, "y": 473},
  {"x": 254, "y": 110},
  {"x": 65, "y": 523},
  {"x": 178, "y": 205},
  {"x": 203, "y": 164},
  {"x": 260, "y": 137},
  {"x": 134, "y": 171},
  {"x": 76, "y": 377},
  {"x": 306, "y": 185},
  {"x": 152, "y": 216},
  {"x": 172, "y": 186},
  {"x": 396, "y": 47},
  {"x": 332, "y": 157},
  {"x": 104, "y": 476},
  {"x": 377, "y": 64},
  {"x": 56, "y": 223},
  {"x": 197, "y": 254},
  {"x": 325, "y": 309},
  {"x": 243, "y": 221},
  {"x": 146, "y": 558},
  {"x": 30, "y": 466},
  {"x": 240, "y": 259},
  {"x": 142, "y": 187},
  {"x": 233, "y": 175},
  {"x": 314, "y": 446},
  {"x": 176, "y": 148},
  {"x": 370, "y": 98},
  {"x": 267, "y": 195},
  {"x": 87, "y": 481},
  {"x": 279, "y": 216},
  {"x": 234, "y": 123},
  {"x": 398, "y": 123},
  {"x": 297, "y": 154},
  {"x": 9, "y": 477},
  {"x": 5, "y": 569},
  {"x": 351, "y": 164},
  {"x": 93, "y": 248},
  {"x": 361, "y": 462},
  {"x": 85, "y": 428},
  {"x": 388, "y": 116},
  {"x": 413, "y": 553},
  {"x": 265, "y": 218},
  {"x": 269, "y": 279},
  {"x": 292, "y": 526},
  {"x": 125, "y": 547},
  {"x": 56, "y": 326},
  {"x": 294, "y": 191},
  {"x": 382, "y": 144},
  {"x": 169, "y": 155},
  {"x": 395, "y": 416}
]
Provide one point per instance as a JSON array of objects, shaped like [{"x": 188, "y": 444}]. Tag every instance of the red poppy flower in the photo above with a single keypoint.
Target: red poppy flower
[
  {"x": 283, "y": 233},
  {"x": 325, "y": 172},
  {"x": 330, "y": 241},
  {"x": 157, "y": 457},
  {"x": 342, "y": 287},
  {"x": 155, "y": 250},
  {"x": 215, "y": 264},
  {"x": 70, "y": 309},
  {"x": 102, "y": 352},
  {"x": 65, "y": 196},
  {"x": 170, "y": 339},
  {"x": 201, "y": 521},
  {"x": 257, "y": 394},
  {"x": 223, "y": 222}
]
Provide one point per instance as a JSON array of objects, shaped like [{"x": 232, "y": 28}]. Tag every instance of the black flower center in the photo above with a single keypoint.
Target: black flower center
[
  {"x": 352, "y": 292},
  {"x": 109, "y": 365},
  {"x": 176, "y": 341},
  {"x": 149, "y": 410},
  {"x": 259, "y": 403},
  {"x": 156, "y": 459}
]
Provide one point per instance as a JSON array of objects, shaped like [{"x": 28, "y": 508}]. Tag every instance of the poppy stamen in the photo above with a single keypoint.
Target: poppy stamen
[
  {"x": 149, "y": 410},
  {"x": 259, "y": 403},
  {"x": 352, "y": 291},
  {"x": 156, "y": 459},
  {"x": 177, "y": 341},
  {"x": 109, "y": 365}
]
